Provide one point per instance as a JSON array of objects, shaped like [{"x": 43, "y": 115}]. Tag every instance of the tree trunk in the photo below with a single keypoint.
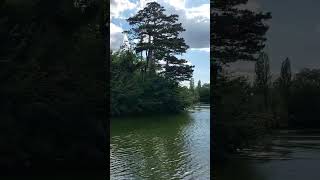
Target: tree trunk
[
  {"x": 265, "y": 94},
  {"x": 147, "y": 63}
]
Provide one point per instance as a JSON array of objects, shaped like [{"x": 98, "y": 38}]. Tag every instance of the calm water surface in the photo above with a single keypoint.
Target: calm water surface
[
  {"x": 290, "y": 155},
  {"x": 162, "y": 147}
]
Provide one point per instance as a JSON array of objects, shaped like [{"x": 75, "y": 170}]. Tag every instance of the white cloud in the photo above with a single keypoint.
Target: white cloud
[
  {"x": 200, "y": 11},
  {"x": 143, "y": 3},
  {"x": 188, "y": 63},
  {"x": 178, "y": 4},
  {"x": 200, "y": 49},
  {"x": 119, "y": 6},
  {"x": 116, "y": 36},
  {"x": 114, "y": 28},
  {"x": 162, "y": 62},
  {"x": 185, "y": 84},
  {"x": 196, "y": 20}
]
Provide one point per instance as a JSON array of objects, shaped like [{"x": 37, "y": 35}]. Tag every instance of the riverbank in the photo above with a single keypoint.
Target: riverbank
[{"x": 162, "y": 113}]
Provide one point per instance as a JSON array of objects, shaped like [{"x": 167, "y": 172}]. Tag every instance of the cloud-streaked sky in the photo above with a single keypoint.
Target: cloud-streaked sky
[
  {"x": 194, "y": 16},
  {"x": 294, "y": 32}
]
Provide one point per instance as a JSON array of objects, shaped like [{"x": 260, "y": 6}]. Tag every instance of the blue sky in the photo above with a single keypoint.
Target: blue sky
[{"x": 194, "y": 16}]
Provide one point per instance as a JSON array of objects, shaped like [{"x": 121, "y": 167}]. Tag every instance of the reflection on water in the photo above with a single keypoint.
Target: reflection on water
[
  {"x": 162, "y": 147},
  {"x": 293, "y": 155}
]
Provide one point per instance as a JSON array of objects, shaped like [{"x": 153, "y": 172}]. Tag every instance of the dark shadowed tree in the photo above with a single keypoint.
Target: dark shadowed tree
[
  {"x": 285, "y": 77},
  {"x": 53, "y": 78},
  {"x": 236, "y": 34},
  {"x": 263, "y": 76},
  {"x": 285, "y": 82}
]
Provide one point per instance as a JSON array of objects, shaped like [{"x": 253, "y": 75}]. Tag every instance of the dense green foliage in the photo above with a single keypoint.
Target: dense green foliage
[
  {"x": 304, "y": 99},
  {"x": 131, "y": 94},
  {"x": 52, "y": 76},
  {"x": 204, "y": 93},
  {"x": 240, "y": 121}
]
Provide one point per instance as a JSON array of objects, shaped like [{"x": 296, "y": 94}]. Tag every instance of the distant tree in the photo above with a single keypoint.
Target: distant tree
[
  {"x": 284, "y": 83},
  {"x": 263, "y": 76},
  {"x": 192, "y": 85},
  {"x": 285, "y": 77},
  {"x": 199, "y": 86},
  {"x": 158, "y": 36}
]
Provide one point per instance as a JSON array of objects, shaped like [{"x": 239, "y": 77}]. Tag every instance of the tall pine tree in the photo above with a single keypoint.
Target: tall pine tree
[
  {"x": 236, "y": 34},
  {"x": 285, "y": 83},
  {"x": 285, "y": 76},
  {"x": 158, "y": 37}
]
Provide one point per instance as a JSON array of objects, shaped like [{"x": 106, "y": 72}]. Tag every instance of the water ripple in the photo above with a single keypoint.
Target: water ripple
[{"x": 175, "y": 147}]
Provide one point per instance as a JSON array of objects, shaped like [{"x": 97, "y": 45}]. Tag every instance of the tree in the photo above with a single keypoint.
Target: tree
[
  {"x": 236, "y": 34},
  {"x": 132, "y": 95},
  {"x": 284, "y": 83},
  {"x": 192, "y": 85},
  {"x": 199, "y": 85},
  {"x": 158, "y": 36},
  {"x": 263, "y": 77},
  {"x": 285, "y": 77}
]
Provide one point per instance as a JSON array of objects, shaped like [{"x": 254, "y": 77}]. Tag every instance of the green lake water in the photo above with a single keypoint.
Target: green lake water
[{"x": 161, "y": 147}]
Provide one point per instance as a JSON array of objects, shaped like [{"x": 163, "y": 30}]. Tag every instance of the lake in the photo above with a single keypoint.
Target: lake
[
  {"x": 291, "y": 154},
  {"x": 161, "y": 147}
]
